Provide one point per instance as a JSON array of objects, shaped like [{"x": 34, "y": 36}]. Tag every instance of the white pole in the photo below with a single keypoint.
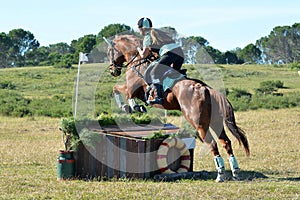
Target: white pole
[{"x": 77, "y": 85}]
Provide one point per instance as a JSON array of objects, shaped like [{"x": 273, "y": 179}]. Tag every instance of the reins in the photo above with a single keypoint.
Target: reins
[{"x": 133, "y": 68}]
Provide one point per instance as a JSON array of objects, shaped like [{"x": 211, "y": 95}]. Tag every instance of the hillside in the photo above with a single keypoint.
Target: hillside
[{"x": 48, "y": 91}]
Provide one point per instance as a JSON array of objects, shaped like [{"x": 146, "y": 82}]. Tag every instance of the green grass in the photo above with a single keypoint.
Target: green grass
[
  {"x": 29, "y": 145},
  {"x": 29, "y": 149}
]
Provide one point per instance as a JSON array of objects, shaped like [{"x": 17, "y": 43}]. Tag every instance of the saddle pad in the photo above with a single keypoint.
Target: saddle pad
[{"x": 168, "y": 82}]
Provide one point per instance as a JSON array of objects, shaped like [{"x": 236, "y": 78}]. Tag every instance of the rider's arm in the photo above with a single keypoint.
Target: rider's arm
[{"x": 145, "y": 52}]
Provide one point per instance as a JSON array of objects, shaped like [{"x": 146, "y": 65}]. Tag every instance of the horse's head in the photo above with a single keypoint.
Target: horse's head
[
  {"x": 116, "y": 58},
  {"x": 119, "y": 51},
  {"x": 116, "y": 61}
]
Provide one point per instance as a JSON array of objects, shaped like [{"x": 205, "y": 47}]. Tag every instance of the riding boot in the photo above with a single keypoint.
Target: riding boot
[{"x": 158, "y": 91}]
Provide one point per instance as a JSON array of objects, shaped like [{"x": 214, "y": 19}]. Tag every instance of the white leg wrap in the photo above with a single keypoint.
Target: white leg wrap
[
  {"x": 119, "y": 99},
  {"x": 132, "y": 103},
  {"x": 234, "y": 167},
  {"x": 219, "y": 162}
]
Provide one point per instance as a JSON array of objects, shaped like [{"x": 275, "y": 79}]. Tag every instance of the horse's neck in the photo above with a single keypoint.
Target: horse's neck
[{"x": 129, "y": 56}]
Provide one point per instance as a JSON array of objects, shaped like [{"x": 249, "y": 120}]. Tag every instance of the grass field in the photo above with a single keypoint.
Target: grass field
[
  {"x": 29, "y": 145},
  {"x": 29, "y": 148}
]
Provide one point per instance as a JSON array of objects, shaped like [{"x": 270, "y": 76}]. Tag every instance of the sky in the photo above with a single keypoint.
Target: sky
[{"x": 226, "y": 24}]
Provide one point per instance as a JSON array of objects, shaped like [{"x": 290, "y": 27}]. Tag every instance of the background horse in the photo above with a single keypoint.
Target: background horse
[{"x": 203, "y": 107}]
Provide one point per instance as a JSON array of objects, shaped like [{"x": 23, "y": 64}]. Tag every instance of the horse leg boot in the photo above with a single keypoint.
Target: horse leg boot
[
  {"x": 136, "y": 107},
  {"x": 234, "y": 167},
  {"x": 220, "y": 168},
  {"x": 121, "y": 104},
  {"x": 158, "y": 93}
]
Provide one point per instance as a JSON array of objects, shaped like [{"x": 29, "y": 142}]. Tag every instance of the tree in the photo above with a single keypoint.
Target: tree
[
  {"x": 200, "y": 40},
  {"x": 111, "y": 30},
  {"x": 282, "y": 45},
  {"x": 84, "y": 44},
  {"x": 38, "y": 56},
  {"x": 54, "y": 58},
  {"x": 231, "y": 58},
  {"x": 250, "y": 54},
  {"x": 216, "y": 55},
  {"x": 22, "y": 42},
  {"x": 5, "y": 44},
  {"x": 61, "y": 48}
]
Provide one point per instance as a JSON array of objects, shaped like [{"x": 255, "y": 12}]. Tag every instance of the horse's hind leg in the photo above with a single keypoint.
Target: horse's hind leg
[
  {"x": 226, "y": 143},
  {"x": 219, "y": 162}
]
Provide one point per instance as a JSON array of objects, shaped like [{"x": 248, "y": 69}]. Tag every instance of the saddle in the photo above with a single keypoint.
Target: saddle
[{"x": 170, "y": 76}]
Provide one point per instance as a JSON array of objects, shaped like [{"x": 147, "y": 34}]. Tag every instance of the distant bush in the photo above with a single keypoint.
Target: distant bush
[
  {"x": 240, "y": 99},
  {"x": 238, "y": 93},
  {"x": 268, "y": 87},
  {"x": 295, "y": 65},
  {"x": 63, "y": 64},
  {"x": 274, "y": 102},
  {"x": 174, "y": 112},
  {"x": 13, "y": 104},
  {"x": 7, "y": 85}
]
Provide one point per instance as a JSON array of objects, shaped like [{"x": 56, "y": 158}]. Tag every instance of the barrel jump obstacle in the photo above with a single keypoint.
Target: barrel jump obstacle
[{"x": 130, "y": 154}]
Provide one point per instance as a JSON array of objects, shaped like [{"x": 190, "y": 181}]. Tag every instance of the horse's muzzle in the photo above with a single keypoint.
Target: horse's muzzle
[{"x": 115, "y": 72}]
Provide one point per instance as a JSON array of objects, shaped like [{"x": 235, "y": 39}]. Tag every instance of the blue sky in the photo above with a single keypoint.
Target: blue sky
[{"x": 226, "y": 24}]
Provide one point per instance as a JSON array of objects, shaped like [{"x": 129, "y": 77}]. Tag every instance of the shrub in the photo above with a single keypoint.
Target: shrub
[
  {"x": 63, "y": 64},
  {"x": 14, "y": 104},
  {"x": 7, "y": 85},
  {"x": 238, "y": 93},
  {"x": 295, "y": 65},
  {"x": 268, "y": 87}
]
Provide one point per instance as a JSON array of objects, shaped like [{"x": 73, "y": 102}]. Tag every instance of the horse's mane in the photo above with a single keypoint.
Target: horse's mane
[{"x": 130, "y": 42}]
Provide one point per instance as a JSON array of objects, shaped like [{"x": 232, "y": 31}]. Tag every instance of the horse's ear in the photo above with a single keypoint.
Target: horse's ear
[{"x": 109, "y": 42}]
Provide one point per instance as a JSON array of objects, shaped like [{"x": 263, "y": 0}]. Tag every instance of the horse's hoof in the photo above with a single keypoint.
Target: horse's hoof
[
  {"x": 236, "y": 178},
  {"x": 235, "y": 174},
  {"x": 136, "y": 108},
  {"x": 143, "y": 109},
  {"x": 220, "y": 178},
  {"x": 127, "y": 109}
]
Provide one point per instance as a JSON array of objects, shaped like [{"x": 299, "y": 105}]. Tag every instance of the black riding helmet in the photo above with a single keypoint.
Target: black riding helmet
[{"x": 144, "y": 23}]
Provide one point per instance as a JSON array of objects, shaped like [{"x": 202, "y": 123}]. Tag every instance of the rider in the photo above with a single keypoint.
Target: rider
[{"x": 170, "y": 54}]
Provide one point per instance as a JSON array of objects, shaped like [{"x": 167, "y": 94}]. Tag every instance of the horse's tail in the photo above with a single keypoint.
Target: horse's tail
[
  {"x": 237, "y": 132},
  {"x": 226, "y": 109}
]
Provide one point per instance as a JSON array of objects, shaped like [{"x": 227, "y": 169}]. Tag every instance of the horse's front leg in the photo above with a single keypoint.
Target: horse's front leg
[
  {"x": 118, "y": 90},
  {"x": 122, "y": 89}
]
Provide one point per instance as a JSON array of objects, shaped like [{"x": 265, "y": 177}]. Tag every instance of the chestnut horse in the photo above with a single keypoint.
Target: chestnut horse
[{"x": 203, "y": 107}]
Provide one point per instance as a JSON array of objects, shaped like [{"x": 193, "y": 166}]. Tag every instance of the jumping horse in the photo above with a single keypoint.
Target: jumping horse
[{"x": 203, "y": 107}]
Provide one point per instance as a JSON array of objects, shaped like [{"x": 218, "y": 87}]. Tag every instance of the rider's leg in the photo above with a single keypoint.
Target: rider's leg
[
  {"x": 156, "y": 75},
  {"x": 158, "y": 93},
  {"x": 177, "y": 58}
]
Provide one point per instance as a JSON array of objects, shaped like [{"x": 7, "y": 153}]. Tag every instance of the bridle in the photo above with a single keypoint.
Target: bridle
[{"x": 117, "y": 67}]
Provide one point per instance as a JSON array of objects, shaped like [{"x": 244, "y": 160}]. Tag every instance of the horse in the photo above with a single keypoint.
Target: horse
[{"x": 203, "y": 107}]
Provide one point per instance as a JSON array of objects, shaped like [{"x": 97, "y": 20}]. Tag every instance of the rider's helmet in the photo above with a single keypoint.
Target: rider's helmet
[{"x": 144, "y": 23}]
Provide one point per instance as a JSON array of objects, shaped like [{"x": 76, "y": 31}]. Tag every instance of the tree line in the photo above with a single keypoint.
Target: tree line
[{"x": 20, "y": 48}]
